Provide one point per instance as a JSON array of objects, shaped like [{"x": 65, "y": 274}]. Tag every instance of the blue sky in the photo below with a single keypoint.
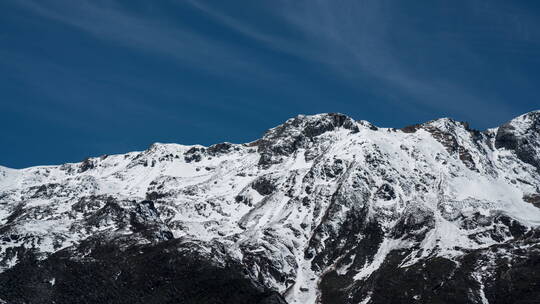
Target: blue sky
[{"x": 86, "y": 78}]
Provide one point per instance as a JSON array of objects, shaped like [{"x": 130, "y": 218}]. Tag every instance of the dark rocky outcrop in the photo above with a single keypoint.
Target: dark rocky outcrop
[
  {"x": 444, "y": 131},
  {"x": 533, "y": 198},
  {"x": 415, "y": 222},
  {"x": 299, "y": 132},
  {"x": 480, "y": 273},
  {"x": 221, "y": 148},
  {"x": 87, "y": 164},
  {"x": 522, "y": 135},
  {"x": 120, "y": 270},
  {"x": 264, "y": 185},
  {"x": 194, "y": 154}
]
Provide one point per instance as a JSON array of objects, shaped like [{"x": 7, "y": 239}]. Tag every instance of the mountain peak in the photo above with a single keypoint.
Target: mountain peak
[
  {"x": 524, "y": 122},
  {"x": 522, "y": 135},
  {"x": 300, "y": 132},
  {"x": 312, "y": 125},
  {"x": 321, "y": 209}
]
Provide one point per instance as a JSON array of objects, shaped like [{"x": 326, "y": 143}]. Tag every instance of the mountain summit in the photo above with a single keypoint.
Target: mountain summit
[{"x": 321, "y": 209}]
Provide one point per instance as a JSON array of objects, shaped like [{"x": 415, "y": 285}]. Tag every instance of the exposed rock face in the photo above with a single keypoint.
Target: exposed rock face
[
  {"x": 121, "y": 270},
  {"x": 300, "y": 132},
  {"x": 522, "y": 135},
  {"x": 452, "y": 135},
  {"x": 322, "y": 209}
]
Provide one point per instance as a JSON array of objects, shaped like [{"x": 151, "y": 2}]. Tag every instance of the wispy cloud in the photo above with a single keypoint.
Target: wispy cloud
[
  {"x": 109, "y": 21},
  {"x": 351, "y": 39}
]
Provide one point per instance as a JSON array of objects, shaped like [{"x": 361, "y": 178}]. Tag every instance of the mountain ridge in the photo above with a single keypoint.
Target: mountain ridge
[
  {"x": 320, "y": 209},
  {"x": 362, "y": 122}
]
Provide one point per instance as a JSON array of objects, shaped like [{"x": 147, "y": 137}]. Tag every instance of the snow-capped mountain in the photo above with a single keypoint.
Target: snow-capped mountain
[{"x": 321, "y": 209}]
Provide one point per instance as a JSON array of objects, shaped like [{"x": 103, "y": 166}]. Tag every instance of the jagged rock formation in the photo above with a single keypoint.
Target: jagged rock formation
[{"x": 321, "y": 209}]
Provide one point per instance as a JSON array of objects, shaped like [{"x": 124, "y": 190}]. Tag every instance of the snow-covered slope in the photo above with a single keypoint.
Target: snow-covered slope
[{"x": 320, "y": 209}]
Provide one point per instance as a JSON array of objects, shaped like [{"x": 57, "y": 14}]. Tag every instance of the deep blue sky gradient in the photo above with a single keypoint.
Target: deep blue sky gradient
[{"x": 85, "y": 78}]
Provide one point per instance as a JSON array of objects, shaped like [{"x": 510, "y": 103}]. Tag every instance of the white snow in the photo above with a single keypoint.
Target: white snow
[{"x": 202, "y": 195}]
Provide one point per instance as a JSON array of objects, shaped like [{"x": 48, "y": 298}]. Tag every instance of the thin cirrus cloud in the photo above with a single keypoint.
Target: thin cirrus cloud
[
  {"x": 111, "y": 22},
  {"x": 108, "y": 21},
  {"x": 349, "y": 38}
]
